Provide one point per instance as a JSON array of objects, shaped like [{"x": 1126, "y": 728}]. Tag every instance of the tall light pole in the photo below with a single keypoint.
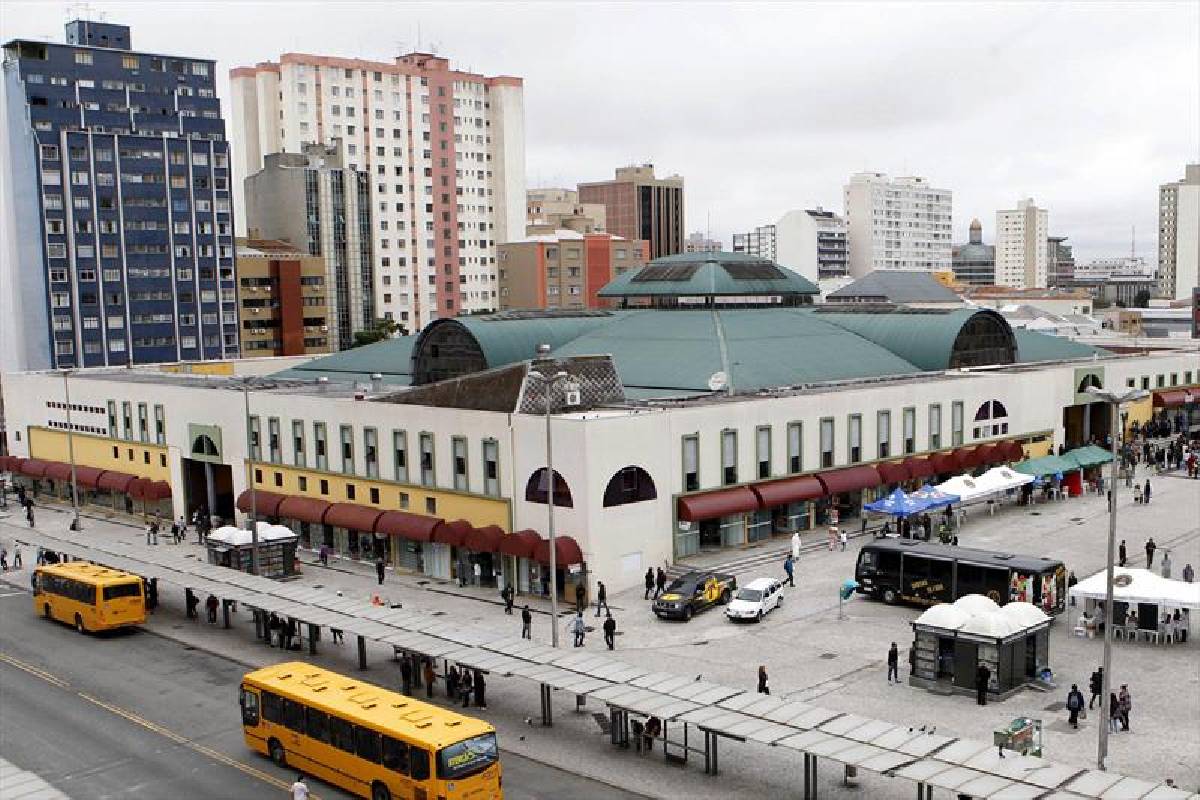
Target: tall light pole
[
  {"x": 1114, "y": 399},
  {"x": 75, "y": 526},
  {"x": 252, "y": 520},
  {"x": 548, "y": 383}
]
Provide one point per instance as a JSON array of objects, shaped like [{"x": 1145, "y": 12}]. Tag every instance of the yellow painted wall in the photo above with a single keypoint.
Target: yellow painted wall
[
  {"x": 475, "y": 509},
  {"x": 97, "y": 451},
  {"x": 202, "y": 368},
  {"x": 1140, "y": 411}
]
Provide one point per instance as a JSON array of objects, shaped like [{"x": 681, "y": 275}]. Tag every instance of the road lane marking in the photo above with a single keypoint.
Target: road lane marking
[{"x": 152, "y": 726}]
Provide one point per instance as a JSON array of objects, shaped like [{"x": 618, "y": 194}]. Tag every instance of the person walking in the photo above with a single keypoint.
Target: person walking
[
  {"x": 526, "y": 621},
  {"x": 983, "y": 677},
  {"x": 300, "y": 789},
  {"x": 152, "y": 594},
  {"x": 1166, "y": 564},
  {"x": 789, "y": 567},
  {"x": 1114, "y": 713},
  {"x": 601, "y": 598},
  {"x": 660, "y": 580},
  {"x": 452, "y": 683},
  {"x": 429, "y": 675},
  {"x": 610, "y": 631},
  {"x": 16, "y": 556},
  {"x": 465, "y": 687},
  {"x": 406, "y": 675},
  {"x": 509, "y": 594},
  {"x": 1189, "y": 574},
  {"x": 1146, "y": 493},
  {"x": 842, "y": 538},
  {"x": 1125, "y": 701},
  {"x": 762, "y": 680},
  {"x": 379, "y": 570},
  {"x": 893, "y": 661},
  {"x": 29, "y": 514},
  {"x": 649, "y": 583},
  {"x": 174, "y": 533},
  {"x": 579, "y": 604},
  {"x": 210, "y": 605},
  {"x": 480, "y": 691},
  {"x": 1121, "y": 559},
  {"x": 3, "y": 558},
  {"x": 578, "y": 628},
  {"x": 190, "y": 601},
  {"x": 1074, "y": 705},
  {"x": 1096, "y": 687},
  {"x": 1150, "y": 548}
]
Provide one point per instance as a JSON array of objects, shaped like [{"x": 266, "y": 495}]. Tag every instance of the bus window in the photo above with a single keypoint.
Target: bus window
[
  {"x": 341, "y": 734},
  {"x": 941, "y": 580},
  {"x": 122, "y": 590},
  {"x": 395, "y": 755},
  {"x": 272, "y": 707},
  {"x": 887, "y": 562},
  {"x": 249, "y": 708},
  {"x": 418, "y": 763},
  {"x": 367, "y": 744},
  {"x": 316, "y": 725},
  {"x": 293, "y": 715},
  {"x": 468, "y": 757}
]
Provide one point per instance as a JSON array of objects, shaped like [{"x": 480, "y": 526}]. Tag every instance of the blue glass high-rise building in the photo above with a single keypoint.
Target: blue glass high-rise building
[{"x": 119, "y": 221}]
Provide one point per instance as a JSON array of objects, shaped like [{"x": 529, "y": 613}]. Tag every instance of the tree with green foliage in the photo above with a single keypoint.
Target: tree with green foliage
[{"x": 380, "y": 329}]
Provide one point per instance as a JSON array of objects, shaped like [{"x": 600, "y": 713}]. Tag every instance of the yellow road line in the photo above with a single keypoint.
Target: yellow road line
[{"x": 152, "y": 726}]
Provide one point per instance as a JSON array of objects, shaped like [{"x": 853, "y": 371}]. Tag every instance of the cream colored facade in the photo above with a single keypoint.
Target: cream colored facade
[
  {"x": 897, "y": 223},
  {"x": 1179, "y": 235},
  {"x": 1021, "y": 246},
  {"x": 548, "y": 210}
]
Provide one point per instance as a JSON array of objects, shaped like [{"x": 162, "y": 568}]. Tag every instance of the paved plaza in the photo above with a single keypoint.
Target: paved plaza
[{"x": 808, "y": 652}]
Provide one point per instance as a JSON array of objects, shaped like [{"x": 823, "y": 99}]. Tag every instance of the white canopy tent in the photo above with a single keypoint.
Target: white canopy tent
[
  {"x": 993, "y": 482},
  {"x": 1139, "y": 586},
  {"x": 267, "y": 532}
]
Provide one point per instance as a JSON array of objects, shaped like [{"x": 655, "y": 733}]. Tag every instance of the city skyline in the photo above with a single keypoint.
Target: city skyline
[{"x": 1017, "y": 115}]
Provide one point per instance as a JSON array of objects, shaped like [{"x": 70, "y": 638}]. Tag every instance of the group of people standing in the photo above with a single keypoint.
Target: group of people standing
[{"x": 1120, "y": 704}]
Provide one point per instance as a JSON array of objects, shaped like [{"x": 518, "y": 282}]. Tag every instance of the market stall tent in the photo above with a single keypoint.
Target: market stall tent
[{"x": 1139, "y": 586}]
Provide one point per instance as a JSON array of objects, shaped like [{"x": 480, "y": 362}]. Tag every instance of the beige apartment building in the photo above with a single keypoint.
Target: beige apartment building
[
  {"x": 565, "y": 269},
  {"x": 549, "y": 210},
  {"x": 638, "y": 205},
  {"x": 282, "y": 298}
]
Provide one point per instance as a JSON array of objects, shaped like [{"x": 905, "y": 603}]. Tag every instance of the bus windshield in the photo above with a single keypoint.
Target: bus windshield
[
  {"x": 122, "y": 590},
  {"x": 467, "y": 757}
]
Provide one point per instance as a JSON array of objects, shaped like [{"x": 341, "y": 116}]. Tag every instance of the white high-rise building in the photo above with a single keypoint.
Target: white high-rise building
[
  {"x": 1021, "y": 246},
  {"x": 1179, "y": 235},
  {"x": 811, "y": 242},
  {"x": 897, "y": 223},
  {"x": 445, "y": 151}
]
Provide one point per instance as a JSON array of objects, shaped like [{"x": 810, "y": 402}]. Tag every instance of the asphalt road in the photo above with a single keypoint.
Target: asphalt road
[{"x": 139, "y": 717}]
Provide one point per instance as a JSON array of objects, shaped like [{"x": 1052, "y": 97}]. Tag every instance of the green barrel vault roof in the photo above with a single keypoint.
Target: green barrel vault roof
[
  {"x": 391, "y": 358},
  {"x": 924, "y": 338},
  {"x": 508, "y": 337},
  {"x": 1033, "y": 346}
]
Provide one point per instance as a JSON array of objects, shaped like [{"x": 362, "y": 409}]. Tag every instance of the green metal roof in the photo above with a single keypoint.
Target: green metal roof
[
  {"x": 764, "y": 347},
  {"x": 1046, "y": 465},
  {"x": 509, "y": 337},
  {"x": 391, "y": 358},
  {"x": 709, "y": 275},
  {"x": 1033, "y": 346},
  {"x": 924, "y": 338}
]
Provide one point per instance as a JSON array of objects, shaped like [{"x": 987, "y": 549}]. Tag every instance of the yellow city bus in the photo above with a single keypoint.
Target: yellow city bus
[
  {"x": 367, "y": 740},
  {"x": 88, "y": 596}
]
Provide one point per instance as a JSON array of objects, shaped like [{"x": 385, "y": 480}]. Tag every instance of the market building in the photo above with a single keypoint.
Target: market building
[{"x": 677, "y": 427}]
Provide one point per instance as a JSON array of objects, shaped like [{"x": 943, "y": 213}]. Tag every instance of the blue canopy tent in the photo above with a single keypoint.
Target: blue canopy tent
[
  {"x": 934, "y": 498},
  {"x": 897, "y": 504}
]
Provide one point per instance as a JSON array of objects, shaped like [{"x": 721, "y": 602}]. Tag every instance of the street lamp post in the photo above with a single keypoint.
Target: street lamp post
[
  {"x": 1114, "y": 399},
  {"x": 252, "y": 520},
  {"x": 75, "y": 525}
]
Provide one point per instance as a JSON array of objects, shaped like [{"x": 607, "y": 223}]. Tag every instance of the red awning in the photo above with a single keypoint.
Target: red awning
[
  {"x": 522, "y": 544},
  {"x": 6, "y": 463},
  {"x": 566, "y": 551},
  {"x": 452, "y": 533},
  {"x": 919, "y": 467},
  {"x": 58, "y": 471},
  {"x": 892, "y": 472},
  {"x": 155, "y": 490},
  {"x": 88, "y": 476},
  {"x": 33, "y": 467},
  {"x": 114, "y": 481},
  {"x": 945, "y": 462},
  {"x": 137, "y": 488},
  {"x": 968, "y": 458},
  {"x": 849, "y": 479},
  {"x": 718, "y": 503},
  {"x": 988, "y": 454},
  {"x": 352, "y": 516},
  {"x": 1013, "y": 451},
  {"x": 415, "y": 527},
  {"x": 485, "y": 540},
  {"x": 790, "y": 490},
  {"x": 265, "y": 504},
  {"x": 1171, "y": 398},
  {"x": 304, "y": 509}
]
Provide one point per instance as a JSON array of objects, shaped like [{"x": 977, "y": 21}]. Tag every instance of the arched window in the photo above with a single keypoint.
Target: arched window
[
  {"x": 536, "y": 489},
  {"x": 1089, "y": 380},
  {"x": 204, "y": 446},
  {"x": 629, "y": 485},
  {"x": 991, "y": 419}
]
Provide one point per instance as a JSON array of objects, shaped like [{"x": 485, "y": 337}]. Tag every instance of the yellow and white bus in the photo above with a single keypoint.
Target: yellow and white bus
[
  {"x": 367, "y": 740},
  {"x": 88, "y": 596}
]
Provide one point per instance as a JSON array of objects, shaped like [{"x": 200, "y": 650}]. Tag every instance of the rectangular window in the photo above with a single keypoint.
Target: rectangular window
[
  {"x": 341, "y": 733},
  {"x": 320, "y": 443},
  {"x": 255, "y": 439},
  {"x": 143, "y": 422},
  {"x": 854, "y": 438},
  {"x": 935, "y": 427},
  {"x": 795, "y": 444},
  {"x": 427, "y": 476},
  {"x": 347, "y": 433},
  {"x": 491, "y": 467},
  {"x": 160, "y": 425},
  {"x": 729, "y": 472},
  {"x": 884, "y": 423},
  {"x": 458, "y": 446},
  {"x": 298, "y": 448},
  {"x": 112, "y": 419},
  {"x": 763, "y": 450},
  {"x": 274, "y": 444},
  {"x": 371, "y": 451},
  {"x": 910, "y": 430},
  {"x": 400, "y": 455},
  {"x": 691, "y": 463},
  {"x": 127, "y": 419},
  {"x": 956, "y": 423},
  {"x": 826, "y": 442}
]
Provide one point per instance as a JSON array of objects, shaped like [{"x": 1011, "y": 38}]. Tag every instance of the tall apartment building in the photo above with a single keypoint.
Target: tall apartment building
[
  {"x": 283, "y": 299},
  {"x": 811, "y": 242},
  {"x": 565, "y": 269},
  {"x": 549, "y": 210},
  {"x": 638, "y": 205},
  {"x": 445, "y": 151},
  {"x": 897, "y": 223},
  {"x": 1022, "y": 236},
  {"x": 1179, "y": 235},
  {"x": 310, "y": 200},
  {"x": 699, "y": 242},
  {"x": 118, "y": 232},
  {"x": 1060, "y": 261}
]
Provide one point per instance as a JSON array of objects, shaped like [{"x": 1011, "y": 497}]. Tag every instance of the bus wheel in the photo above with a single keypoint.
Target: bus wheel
[
  {"x": 79, "y": 624},
  {"x": 889, "y": 596},
  {"x": 278, "y": 754},
  {"x": 380, "y": 792}
]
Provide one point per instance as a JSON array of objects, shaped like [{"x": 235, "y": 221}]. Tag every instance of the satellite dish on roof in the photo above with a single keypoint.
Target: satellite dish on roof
[{"x": 718, "y": 381}]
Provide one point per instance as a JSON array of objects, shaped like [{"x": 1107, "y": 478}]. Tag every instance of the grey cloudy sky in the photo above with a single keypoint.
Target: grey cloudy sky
[{"x": 1086, "y": 107}]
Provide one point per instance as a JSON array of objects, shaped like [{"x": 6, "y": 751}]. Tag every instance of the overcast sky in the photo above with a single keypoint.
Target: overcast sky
[{"x": 1086, "y": 107}]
